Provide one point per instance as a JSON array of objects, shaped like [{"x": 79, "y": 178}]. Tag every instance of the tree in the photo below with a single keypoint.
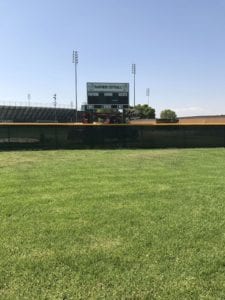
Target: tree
[
  {"x": 168, "y": 114},
  {"x": 140, "y": 112}
]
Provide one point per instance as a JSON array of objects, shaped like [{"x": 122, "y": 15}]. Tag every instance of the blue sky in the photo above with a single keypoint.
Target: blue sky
[{"x": 178, "y": 47}]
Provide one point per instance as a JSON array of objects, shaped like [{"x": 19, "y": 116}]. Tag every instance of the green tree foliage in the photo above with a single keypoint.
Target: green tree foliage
[
  {"x": 140, "y": 112},
  {"x": 168, "y": 114}
]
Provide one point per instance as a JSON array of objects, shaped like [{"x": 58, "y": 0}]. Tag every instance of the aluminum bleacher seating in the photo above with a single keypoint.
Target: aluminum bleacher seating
[{"x": 36, "y": 114}]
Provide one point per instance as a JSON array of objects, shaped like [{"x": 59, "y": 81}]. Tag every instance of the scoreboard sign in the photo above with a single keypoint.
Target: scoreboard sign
[{"x": 111, "y": 94}]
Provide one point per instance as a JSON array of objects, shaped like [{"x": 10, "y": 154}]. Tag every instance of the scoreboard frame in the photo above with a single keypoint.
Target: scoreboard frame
[{"x": 107, "y": 95}]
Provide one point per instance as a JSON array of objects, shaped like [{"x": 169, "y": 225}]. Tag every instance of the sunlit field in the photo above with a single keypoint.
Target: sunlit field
[{"x": 113, "y": 224}]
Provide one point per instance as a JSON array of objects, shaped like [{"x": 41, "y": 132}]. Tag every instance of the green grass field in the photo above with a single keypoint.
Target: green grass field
[{"x": 115, "y": 224}]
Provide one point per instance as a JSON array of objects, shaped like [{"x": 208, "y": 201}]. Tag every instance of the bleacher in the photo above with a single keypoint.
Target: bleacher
[{"x": 36, "y": 114}]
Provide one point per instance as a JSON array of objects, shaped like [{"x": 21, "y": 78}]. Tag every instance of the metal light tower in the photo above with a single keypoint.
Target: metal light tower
[
  {"x": 134, "y": 73},
  {"x": 75, "y": 62},
  {"x": 28, "y": 98},
  {"x": 148, "y": 94},
  {"x": 55, "y": 105}
]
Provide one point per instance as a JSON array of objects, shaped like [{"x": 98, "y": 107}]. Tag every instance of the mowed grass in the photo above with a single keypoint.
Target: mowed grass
[{"x": 115, "y": 224}]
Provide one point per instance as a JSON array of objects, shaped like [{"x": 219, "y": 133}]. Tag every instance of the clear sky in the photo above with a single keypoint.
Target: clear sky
[{"x": 178, "y": 47}]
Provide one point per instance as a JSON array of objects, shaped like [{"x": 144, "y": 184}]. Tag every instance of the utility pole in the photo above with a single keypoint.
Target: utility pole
[
  {"x": 134, "y": 73},
  {"x": 75, "y": 62}
]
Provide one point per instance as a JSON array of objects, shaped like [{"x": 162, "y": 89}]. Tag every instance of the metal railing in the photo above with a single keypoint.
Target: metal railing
[{"x": 47, "y": 104}]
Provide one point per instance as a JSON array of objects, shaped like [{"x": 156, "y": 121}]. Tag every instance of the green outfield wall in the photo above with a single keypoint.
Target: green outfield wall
[{"x": 56, "y": 136}]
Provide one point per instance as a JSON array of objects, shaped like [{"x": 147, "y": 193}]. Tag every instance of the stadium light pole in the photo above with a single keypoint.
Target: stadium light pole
[
  {"x": 148, "y": 94},
  {"x": 28, "y": 98},
  {"x": 55, "y": 105},
  {"x": 134, "y": 73},
  {"x": 75, "y": 62}
]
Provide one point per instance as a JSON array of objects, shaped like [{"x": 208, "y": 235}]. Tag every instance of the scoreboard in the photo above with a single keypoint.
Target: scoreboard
[{"x": 101, "y": 94}]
